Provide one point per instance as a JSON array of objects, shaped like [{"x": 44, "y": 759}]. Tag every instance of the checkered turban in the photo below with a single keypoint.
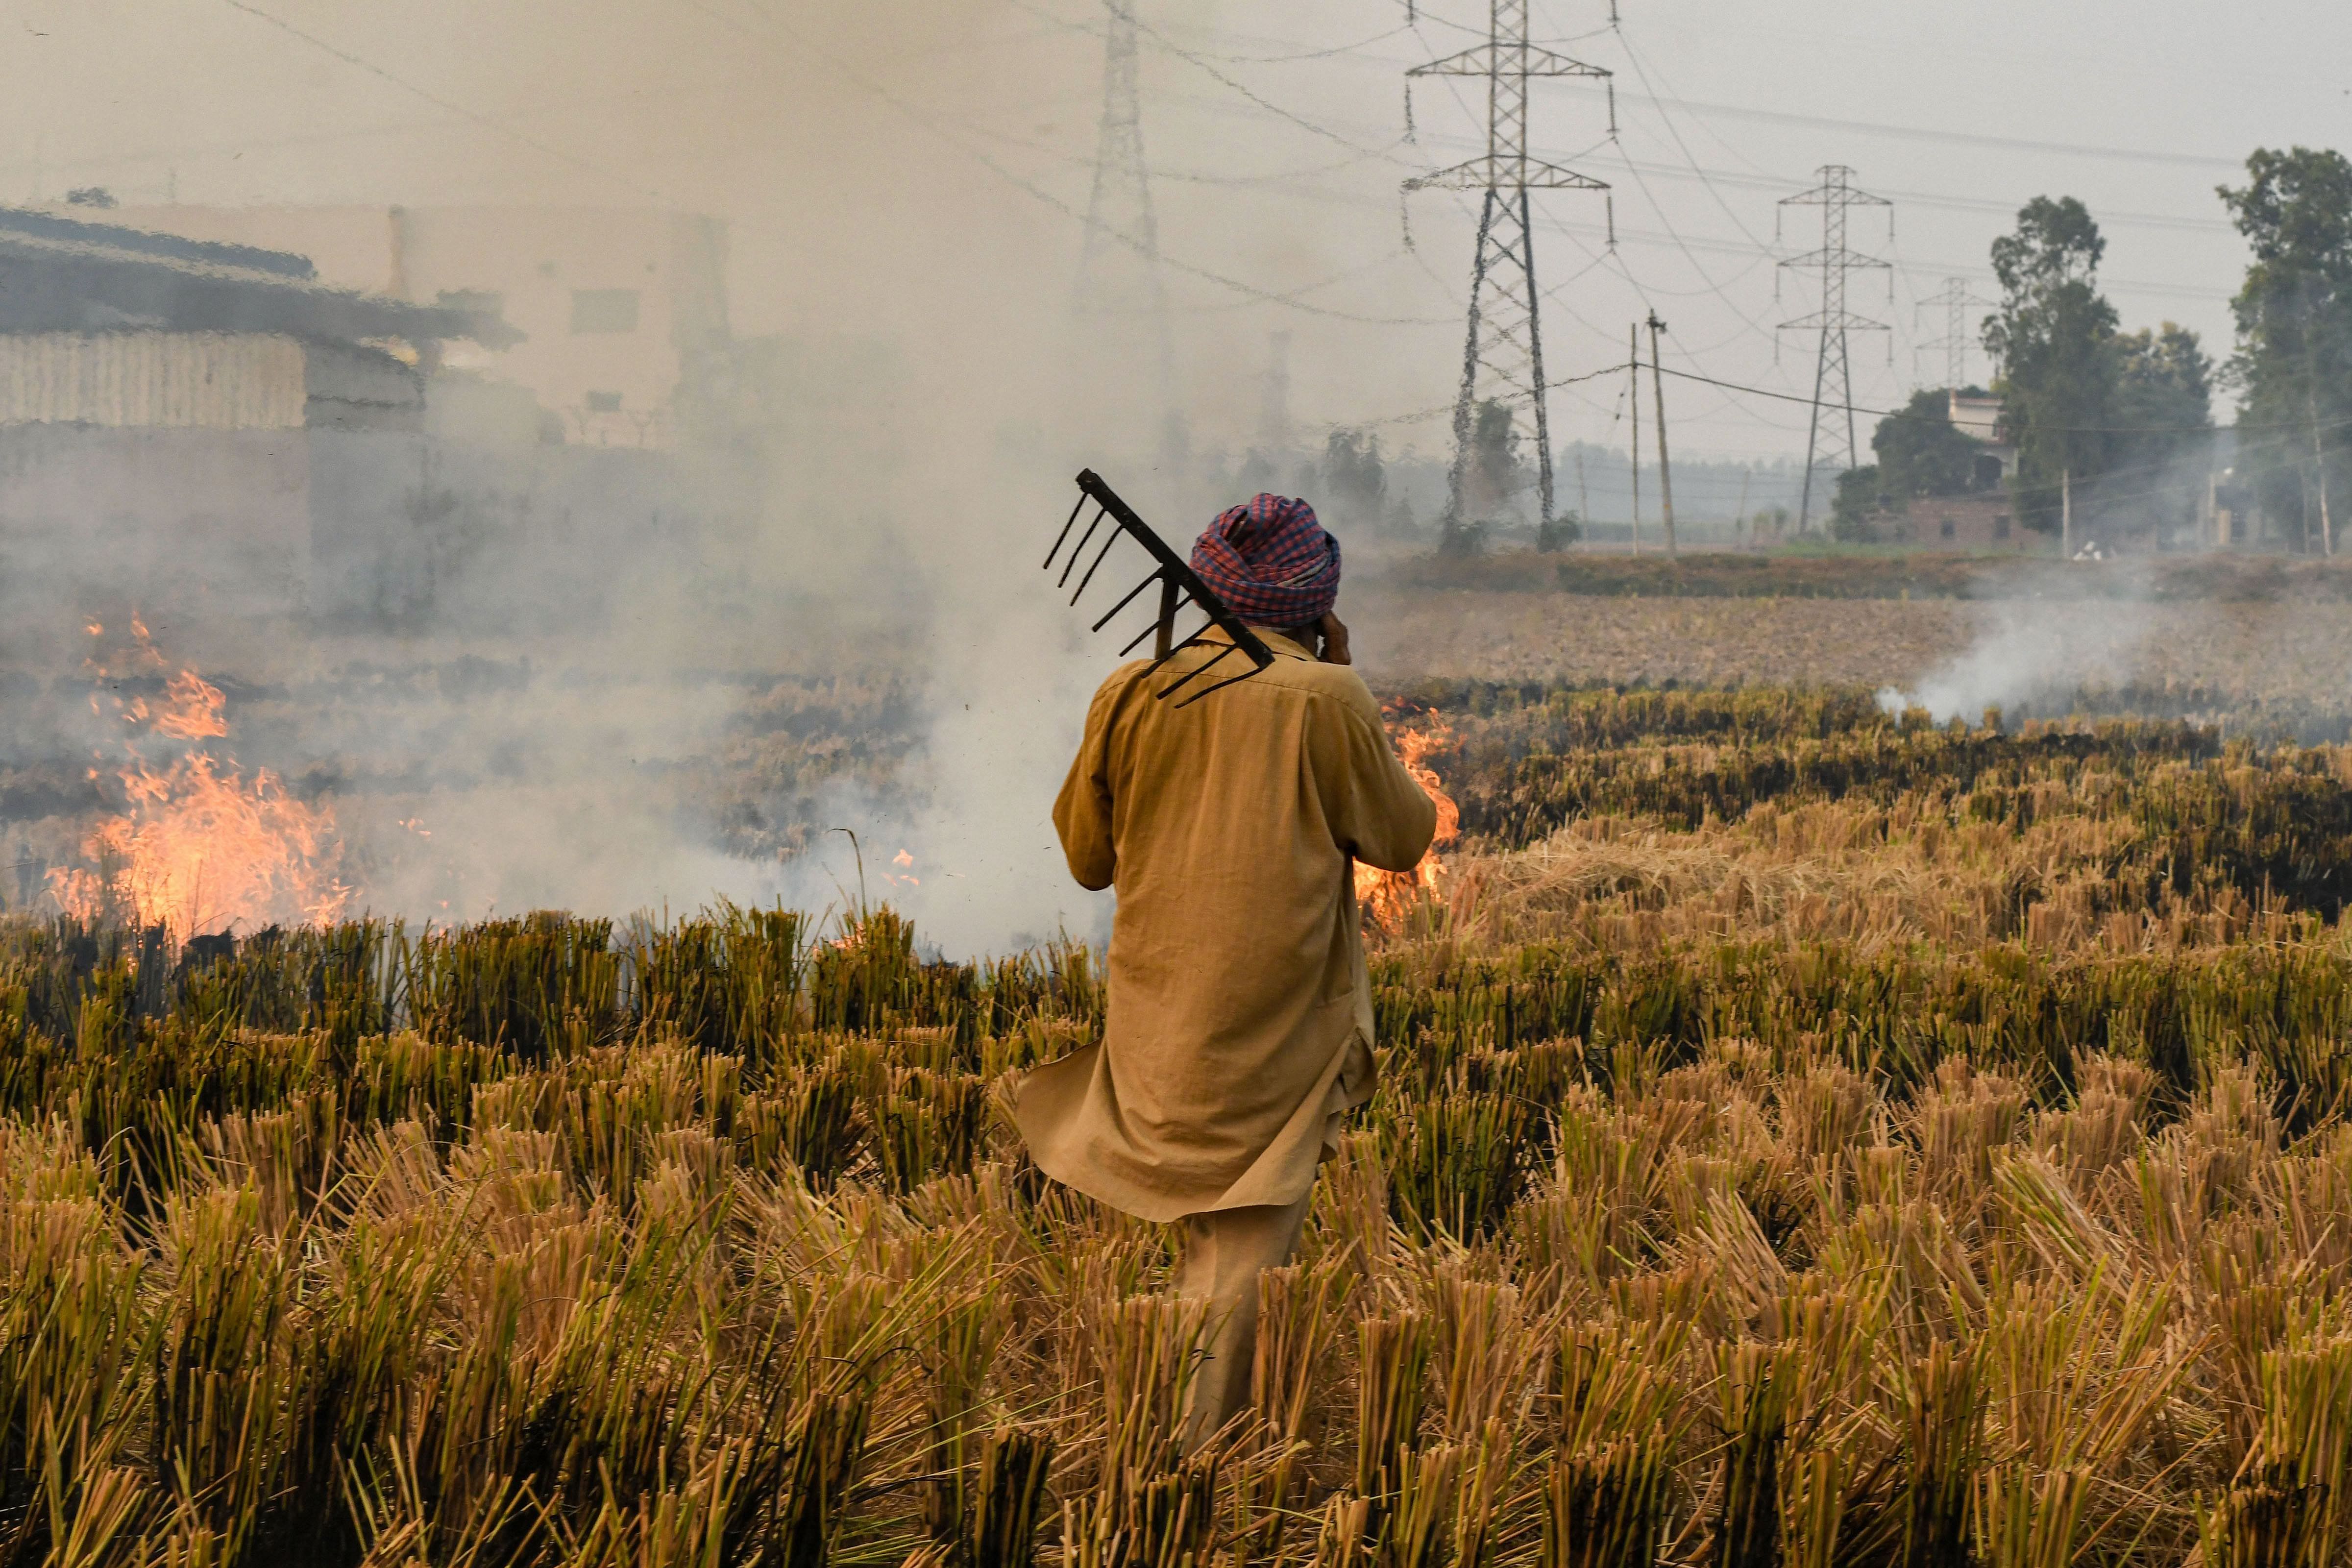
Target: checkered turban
[{"x": 1270, "y": 561}]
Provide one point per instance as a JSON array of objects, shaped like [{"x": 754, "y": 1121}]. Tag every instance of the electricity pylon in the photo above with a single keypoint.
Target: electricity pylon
[
  {"x": 1956, "y": 299},
  {"x": 1504, "y": 337},
  {"x": 1118, "y": 210},
  {"x": 1836, "y": 196}
]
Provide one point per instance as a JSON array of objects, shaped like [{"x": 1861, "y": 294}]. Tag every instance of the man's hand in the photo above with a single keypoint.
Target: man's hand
[{"x": 1335, "y": 639}]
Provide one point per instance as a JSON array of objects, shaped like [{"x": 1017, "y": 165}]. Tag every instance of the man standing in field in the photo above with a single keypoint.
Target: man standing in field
[{"x": 1240, "y": 1012}]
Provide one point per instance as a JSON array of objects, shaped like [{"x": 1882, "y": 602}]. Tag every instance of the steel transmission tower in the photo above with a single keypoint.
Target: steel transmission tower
[
  {"x": 1118, "y": 210},
  {"x": 1956, "y": 299},
  {"x": 1505, "y": 337},
  {"x": 1836, "y": 196}
]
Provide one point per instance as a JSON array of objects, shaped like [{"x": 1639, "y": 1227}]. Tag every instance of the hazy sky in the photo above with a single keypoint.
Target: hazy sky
[{"x": 912, "y": 172}]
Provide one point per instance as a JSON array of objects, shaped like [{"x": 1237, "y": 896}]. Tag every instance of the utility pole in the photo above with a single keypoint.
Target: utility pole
[
  {"x": 1739, "y": 523},
  {"x": 2319, "y": 461},
  {"x": 2067, "y": 514},
  {"x": 2311, "y": 397},
  {"x": 1634, "y": 402},
  {"x": 1118, "y": 210},
  {"x": 1665, "y": 472},
  {"x": 1836, "y": 196},
  {"x": 1956, "y": 301},
  {"x": 1504, "y": 337}
]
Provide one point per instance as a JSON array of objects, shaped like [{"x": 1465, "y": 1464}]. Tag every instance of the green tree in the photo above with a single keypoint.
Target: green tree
[
  {"x": 2164, "y": 413},
  {"x": 1495, "y": 473},
  {"x": 2294, "y": 360},
  {"x": 2053, "y": 338},
  {"x": 1560, "y": 532},
  {"x": 1860, "y": 496},
  {"x": 1920, "y": 453}
]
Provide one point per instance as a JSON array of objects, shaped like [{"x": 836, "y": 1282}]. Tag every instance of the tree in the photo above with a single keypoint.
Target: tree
[
  {"x": 2053, "y": 337},
  {"x": 1494, "y": 476},
  {"x": 1859, "y": 495},
  {"x": 1354, "y": 480},
  {"x": 1920, "y": 451},
  {"x": 2294, "y": 360},
  {"x": 2164, "y": 413},
  {"x": 1495, "y": 473}
]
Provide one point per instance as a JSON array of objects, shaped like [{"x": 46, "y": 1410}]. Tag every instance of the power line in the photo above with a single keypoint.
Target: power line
[
  {"x": 2298, "y": 427},
  {"x": 1191, "y": 58},
  {"x": 1029, "y": 187},
  {"x": 1965, "y": 138},
  {"x": 1955, "y": 203},
  {"x": 435, "y": 99},
  {"x": 1311, "y": 54}
]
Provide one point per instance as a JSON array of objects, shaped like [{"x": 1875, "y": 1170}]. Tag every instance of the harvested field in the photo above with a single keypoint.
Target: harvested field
[
  {"x": 1805, "y": 1135},
  {"x": 2028, "y": 573},
  {"x": 1708, "y": 642},
  {"x": 2283, "y": 654}
]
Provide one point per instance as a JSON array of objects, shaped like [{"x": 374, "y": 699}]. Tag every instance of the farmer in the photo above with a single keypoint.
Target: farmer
[{"x": 1241, "y": 1015}]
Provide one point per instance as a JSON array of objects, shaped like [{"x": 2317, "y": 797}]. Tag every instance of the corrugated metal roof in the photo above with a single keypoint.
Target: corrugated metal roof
[{"x": 61, "y": 275}]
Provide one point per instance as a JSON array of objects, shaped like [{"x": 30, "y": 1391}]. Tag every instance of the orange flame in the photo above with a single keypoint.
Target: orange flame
[
  {"x": 201, "y": 848},
  {"x": 1386, "y": 896}
]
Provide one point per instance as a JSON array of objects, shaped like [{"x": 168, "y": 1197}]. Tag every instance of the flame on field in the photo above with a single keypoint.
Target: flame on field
[
  {"x": 199, "y": 847},
  {"x": 1386, "y": 896}
]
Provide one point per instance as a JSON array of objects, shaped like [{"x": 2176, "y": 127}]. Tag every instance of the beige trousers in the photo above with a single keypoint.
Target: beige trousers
[{"x": 1223, "y": 1253}]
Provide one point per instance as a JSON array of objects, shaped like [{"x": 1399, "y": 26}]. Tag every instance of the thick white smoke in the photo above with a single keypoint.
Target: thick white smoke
[{"x": 2029, "y": 651}]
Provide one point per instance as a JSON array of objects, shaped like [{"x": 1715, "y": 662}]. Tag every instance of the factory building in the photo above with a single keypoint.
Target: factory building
[
  {"x": 240, "y": 430},
  {"x": 615, "y": 310},
  {"x": 169, "y": 409}
]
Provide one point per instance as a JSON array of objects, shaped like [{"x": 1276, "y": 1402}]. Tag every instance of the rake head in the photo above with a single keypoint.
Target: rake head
[{"x": 1180, "y": 588}]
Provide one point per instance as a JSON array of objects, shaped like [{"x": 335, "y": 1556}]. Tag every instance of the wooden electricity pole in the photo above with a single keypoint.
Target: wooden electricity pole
[
  {"x": 2311, "y": 396},
  {"x": 1634, "y": 402},
  {"x": 1665, "y": 473},
  {"x": 2067, "y": 514}
]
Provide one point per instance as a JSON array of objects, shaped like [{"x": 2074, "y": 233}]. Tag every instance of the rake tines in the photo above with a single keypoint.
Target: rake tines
[{"x": 1180, "y": 588}]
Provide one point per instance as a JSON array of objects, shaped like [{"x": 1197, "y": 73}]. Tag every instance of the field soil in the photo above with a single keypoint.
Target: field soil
[
  {"x": 1887, "y": 575},
  {"x": 2270, "y": 650}
]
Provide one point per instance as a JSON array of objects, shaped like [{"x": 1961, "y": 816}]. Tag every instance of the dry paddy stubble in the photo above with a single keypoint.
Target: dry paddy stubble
[{"x": 1828, "y": 870}]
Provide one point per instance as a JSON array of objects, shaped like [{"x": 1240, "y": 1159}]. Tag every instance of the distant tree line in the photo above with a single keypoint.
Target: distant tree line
[{"x": 2117, "y": 425}]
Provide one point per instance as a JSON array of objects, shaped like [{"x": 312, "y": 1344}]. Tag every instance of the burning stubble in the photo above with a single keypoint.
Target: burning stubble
[
  {"x": 1389, "y": 898},
  {"x": 196, "y": 847}
]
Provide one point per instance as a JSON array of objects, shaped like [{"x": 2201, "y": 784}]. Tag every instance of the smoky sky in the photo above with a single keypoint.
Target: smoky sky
[{"x": 911, "y": 171}]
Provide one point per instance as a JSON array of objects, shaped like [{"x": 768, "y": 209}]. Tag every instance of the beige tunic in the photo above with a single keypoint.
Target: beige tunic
[{"x": 1240, "y": 1011}]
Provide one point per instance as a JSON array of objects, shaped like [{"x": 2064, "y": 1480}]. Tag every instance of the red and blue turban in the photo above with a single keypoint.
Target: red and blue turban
[{"x": 1270, "y": 561}]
